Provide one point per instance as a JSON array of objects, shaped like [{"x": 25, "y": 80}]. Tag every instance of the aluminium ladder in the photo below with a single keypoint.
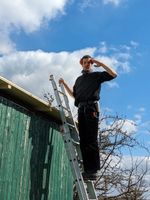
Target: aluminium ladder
[{"x": 85, "y": 189}]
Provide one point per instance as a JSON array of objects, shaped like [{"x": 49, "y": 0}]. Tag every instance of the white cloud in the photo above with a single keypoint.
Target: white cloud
[
  {"x": 145, "y": 127},
  {"x": 27, "y": 15},
  {"x": 31, "y": 69},
  {"x": 126, "y": 47},
  {"x": 125, "y": 66},
  {"x": 134, "y": 44},
  {"x": 128, "y": 161},
  {"x": 114, "y": 60},
  {"x": 6, "y": 45},
  {"x": 127, "y": 126},
  {"x": 129, "y": 107},
  {"x": 125, "y": 56},
  {"x": 86, "y": 4},
  {"x": 142, "y": 109},
  {"x": 140, "y": 166},
  {"x": 144, "y": 164},
  {"x": 113, "y": 2},
  {"x": 103, "y": 48},
  {"x": 107, "y": 110},
  {"x": 138, "y": 118},
  {"x": 113, "y": 84},
  {"x": 120, "y": 56}
]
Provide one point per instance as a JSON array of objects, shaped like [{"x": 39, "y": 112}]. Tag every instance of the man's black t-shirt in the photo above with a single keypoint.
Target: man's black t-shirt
[{"x": 87, "y": 86}]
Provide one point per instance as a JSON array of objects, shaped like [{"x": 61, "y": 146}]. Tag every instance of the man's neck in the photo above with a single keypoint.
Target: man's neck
[{"x": 86, "y": 71}]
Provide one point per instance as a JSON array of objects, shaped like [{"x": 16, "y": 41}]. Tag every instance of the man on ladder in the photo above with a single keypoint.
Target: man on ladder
[{"x": 86, "y": 91}]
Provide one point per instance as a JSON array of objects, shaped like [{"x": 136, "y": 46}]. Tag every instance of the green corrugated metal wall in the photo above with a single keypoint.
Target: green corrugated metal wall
[{"x": 33, "y": 162}]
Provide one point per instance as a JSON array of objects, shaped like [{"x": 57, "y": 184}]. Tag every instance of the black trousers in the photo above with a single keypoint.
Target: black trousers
[{"x": 88, "y": 117}]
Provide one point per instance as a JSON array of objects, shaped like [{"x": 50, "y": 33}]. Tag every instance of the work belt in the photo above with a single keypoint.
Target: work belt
[
  {"x": 89, "y": 104},
  {"x": 85, "y": 103}
]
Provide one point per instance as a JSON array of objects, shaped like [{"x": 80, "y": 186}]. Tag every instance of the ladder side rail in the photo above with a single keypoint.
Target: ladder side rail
[
  {"x": 77, "y": 146},
  {"x": 82, "y": 192},
  {"x": 68, "y": 106},
  {"x": 75, "y": 168},
  {"x": 58, "y": 99},
  {"x": 91, "y": 190},
  {"x": 70, "y": 150}
]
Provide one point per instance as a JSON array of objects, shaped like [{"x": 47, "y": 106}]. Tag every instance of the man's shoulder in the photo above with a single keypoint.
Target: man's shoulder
[
  {"x": 96, "y": 73},
  {"x": 93, "y": 73},
  {"x": 79, "y": 77},
  {"x": 99, "y": 73}
]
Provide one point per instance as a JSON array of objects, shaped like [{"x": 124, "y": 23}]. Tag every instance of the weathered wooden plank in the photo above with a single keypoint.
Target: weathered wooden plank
[{"x": 33, "y": 161}]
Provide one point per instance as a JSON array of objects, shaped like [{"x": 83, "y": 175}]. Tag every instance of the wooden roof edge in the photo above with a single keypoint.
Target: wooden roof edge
[{"x": 27, "y": 98}]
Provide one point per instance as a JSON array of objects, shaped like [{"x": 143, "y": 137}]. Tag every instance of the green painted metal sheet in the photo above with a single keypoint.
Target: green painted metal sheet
[{"x": 33, "y": 161}]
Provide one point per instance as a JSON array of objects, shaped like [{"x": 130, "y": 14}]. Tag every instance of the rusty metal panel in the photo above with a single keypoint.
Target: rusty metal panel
[{"x": 33, "y": 161}]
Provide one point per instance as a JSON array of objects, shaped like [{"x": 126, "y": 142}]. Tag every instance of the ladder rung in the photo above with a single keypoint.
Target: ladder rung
[
  {"x": 75, "y": 143},
  {"x": 65, "y": 108},
  {"x": 71, "y": 125},
  {"x": 91, "y": 190},
  {"x": 61, "y": 93}
]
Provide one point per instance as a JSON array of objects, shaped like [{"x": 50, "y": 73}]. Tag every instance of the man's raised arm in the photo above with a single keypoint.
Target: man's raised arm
[
  {"x": 69, "y": 90},
  {"x": 111, "y": 71}
]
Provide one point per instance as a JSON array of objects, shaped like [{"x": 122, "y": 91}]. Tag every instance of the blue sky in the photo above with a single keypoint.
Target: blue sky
[
  {"x": 90, "y": 25},
  {"x": 41, "y": 37}
]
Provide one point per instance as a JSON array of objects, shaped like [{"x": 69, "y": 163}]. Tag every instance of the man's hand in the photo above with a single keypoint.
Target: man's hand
[
  {"x": 61, "y": 80},
  {"x": 69, "y": 90},
  {"x": 96, "y": 62}
]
